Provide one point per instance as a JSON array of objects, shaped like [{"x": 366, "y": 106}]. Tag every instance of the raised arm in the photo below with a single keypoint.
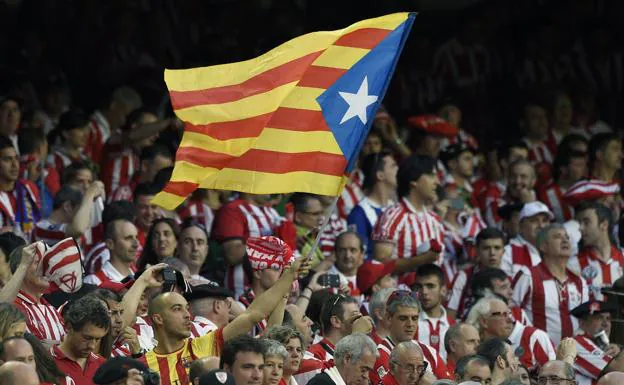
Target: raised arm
[
  {"x": 150, "y": 278},
  {"x": 10, "y": 290}
]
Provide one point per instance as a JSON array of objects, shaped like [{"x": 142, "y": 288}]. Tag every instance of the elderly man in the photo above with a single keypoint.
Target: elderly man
[
  {"x": 503, "y": 362},
  {"x": 559, "y": 372},
  {"x": 493, "y": 319},
  {"x": 461, "y": 340},
  {"x": 595, "y": 354},
  {"x": 549, "y": 291},
  {"x": 521, "y": 250},
  {"x": 354, "y": 356},
  {"x": 473, "y": 368},
  {"x": 407, "y": 365}
]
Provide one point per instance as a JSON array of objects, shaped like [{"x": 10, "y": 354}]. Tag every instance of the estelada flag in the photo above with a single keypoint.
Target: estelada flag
[{"x": 290, "y": 120}]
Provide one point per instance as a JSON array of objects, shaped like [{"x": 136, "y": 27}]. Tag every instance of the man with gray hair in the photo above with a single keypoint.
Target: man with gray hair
[
  {"x": 493, "y": 319},
  {"x": 402, "y": 315},
  {"x": 407, "y": 365},
  {"x": 354, "y": 357},
  {"x": 377, "y": 311},
  {"x": 549, "y": 291},
  {"x": 559, "y": 372},
  {"x": 461, "y": 340}
]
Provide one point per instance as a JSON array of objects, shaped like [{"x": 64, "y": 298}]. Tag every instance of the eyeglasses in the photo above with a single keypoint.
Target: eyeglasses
[
  {"x": 501, "y": 314},
  {"x": 555, "y": 380},
  {"x": 420, "y": 369},
  {"x": 398, "y": 294}
]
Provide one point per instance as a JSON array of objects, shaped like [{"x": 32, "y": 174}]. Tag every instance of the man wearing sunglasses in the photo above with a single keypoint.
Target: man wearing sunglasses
[
  {"x": 407, "y": 365},
  {"x": 402, "y": 314}
]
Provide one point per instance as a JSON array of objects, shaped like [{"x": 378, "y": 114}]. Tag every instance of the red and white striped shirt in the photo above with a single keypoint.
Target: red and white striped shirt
[
  {"x": 43, "y": 320},
  {"x": 590, "y": 360},
  {"x": 548, "y": 301},
  {"x": 119, "y": 166},
  {"x": 59, "y": 160},
  {"x": 539, "y": 152},
  {"x": 382, "y": 366},
  {"x": 493, "y": 199},
  {"x": 50, "y": 233},
  {"x": 199, "y": 211},
  {"x": 240, "y": 219},
  {"x": 202, "y": 326},
  {"x": 108, "y": 272},
  {"x": 334, "y": 228},
  {"x": 460, "y": 291},
  {"x": 552, "y": 196},
  {"x": 535, "y": 343},
  {"x": 408, "y": 229},
  {"x": 431, "y": 331},
  {"x": 350, "y": 197},
  {"x": 462, "y": 137},
  {"x": 596, "y": 272},
  {"x": 120, "y": 349},
  {"x": 145, "y": 333},
  {"x": 96, "y": 257},
  {"x": 99, "y": 132},
  {"x": 517, "y": 254},
  {"x": 323, "y": 350}
]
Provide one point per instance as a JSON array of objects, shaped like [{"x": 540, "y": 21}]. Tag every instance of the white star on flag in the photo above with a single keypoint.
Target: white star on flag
[{"x": 358, "y": 102}]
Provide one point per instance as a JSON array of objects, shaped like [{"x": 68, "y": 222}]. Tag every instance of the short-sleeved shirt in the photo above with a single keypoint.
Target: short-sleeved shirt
[
  {"x": 74, "y": 370},
  {"x": 174, "y": 367}
]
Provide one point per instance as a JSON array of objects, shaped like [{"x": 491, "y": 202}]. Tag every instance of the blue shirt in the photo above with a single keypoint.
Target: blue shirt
[{"x": 364, "y": 216}]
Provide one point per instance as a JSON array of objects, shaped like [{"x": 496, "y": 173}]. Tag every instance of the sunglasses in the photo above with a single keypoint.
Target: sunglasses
[{"x": 398, "y": 294}]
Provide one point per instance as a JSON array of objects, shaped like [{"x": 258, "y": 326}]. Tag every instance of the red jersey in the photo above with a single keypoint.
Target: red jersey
[{"x": 74, "y": 370}]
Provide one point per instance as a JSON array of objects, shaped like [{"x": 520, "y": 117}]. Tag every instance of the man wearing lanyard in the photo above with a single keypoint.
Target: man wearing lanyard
[{"x": 433, "y": 321}]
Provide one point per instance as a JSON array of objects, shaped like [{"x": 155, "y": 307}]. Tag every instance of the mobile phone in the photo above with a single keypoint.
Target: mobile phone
[
  {"x": 329, "y": 280},
  {"x": 169, "y": 278}
]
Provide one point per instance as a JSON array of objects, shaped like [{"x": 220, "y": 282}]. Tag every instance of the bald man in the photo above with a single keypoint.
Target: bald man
[
  {"x": 407, "y": 365},
  {"x": 613, "y": 378},
  {"x": 18, "y": 373}
]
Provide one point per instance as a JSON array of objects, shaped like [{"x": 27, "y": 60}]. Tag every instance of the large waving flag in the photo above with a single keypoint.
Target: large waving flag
[{"x": 291, "y": 120}]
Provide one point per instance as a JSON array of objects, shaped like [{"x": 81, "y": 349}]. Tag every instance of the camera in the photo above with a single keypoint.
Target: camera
[
  {"x": 329, "y": 280},
  {"x": 169, "y": 278}
]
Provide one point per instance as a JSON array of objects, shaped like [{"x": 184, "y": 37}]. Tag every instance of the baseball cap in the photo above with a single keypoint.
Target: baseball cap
[
  {"x": 371, "y": 272},
  {"x": 216, "y": 377},
  {"x": 433, "y": 125},
  {"x": 531, "y": 209}
]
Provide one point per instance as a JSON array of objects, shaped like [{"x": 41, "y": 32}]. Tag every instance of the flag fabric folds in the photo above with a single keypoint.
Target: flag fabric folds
[{"x": 292, "y": 119}]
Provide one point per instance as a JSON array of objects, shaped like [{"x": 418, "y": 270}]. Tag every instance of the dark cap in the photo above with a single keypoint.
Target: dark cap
[
  {"x": 592, "y": 307},
  {"x": 115, "y": 369},
  {"x": 207, "y": 291},
  {"x": 508, "y": 209},
  {"x": 216, "y": 377},
  {"x": 454, "y": 151}
]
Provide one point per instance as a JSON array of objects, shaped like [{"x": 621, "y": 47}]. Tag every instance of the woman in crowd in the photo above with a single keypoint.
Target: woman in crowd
[
  {"x": 161, "y": 242},
  {"x": 292, "y": 340},
  {"x": 12, "y": 321},
  {"x": 274, "y": 356}
]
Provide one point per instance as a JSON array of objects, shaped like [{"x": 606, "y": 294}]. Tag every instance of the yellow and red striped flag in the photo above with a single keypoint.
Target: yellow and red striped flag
[{"x": 290, "y": 120}]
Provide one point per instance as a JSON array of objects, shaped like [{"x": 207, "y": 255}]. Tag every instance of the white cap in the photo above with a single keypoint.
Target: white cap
[{"x": 531, "y": 209}]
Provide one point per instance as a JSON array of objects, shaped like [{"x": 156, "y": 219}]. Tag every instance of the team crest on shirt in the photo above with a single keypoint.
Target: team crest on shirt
[
  {"x": 589, "y": 272},
  {"x": 434, "y": 340},
  {"x": 221, "y": 377},
  {"x": 186, "y": 362},
  {"x": 381, "y": 372}
]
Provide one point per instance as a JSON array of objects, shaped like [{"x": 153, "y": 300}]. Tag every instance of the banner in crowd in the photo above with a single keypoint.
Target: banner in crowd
[{"x": 290, "y": 120}]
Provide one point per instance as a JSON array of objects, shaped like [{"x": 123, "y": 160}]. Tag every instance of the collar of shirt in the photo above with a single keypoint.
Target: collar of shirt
[
  {"x": 516, "y": 333},
  {"x": 31, "y": 300},
  {"x": 58, "y": 354},
  {"x": 203, "y": 320},
  {"x": 112, "y": 272},
  {"x": 101, "y": 120},
  {"x": 524, "y": 242},
  {"x": 592, "y": 254},
  {"x": 408, "y": 205},
  {"x": 548, "y": 275},
  {"x": 443, "y": 318}
]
